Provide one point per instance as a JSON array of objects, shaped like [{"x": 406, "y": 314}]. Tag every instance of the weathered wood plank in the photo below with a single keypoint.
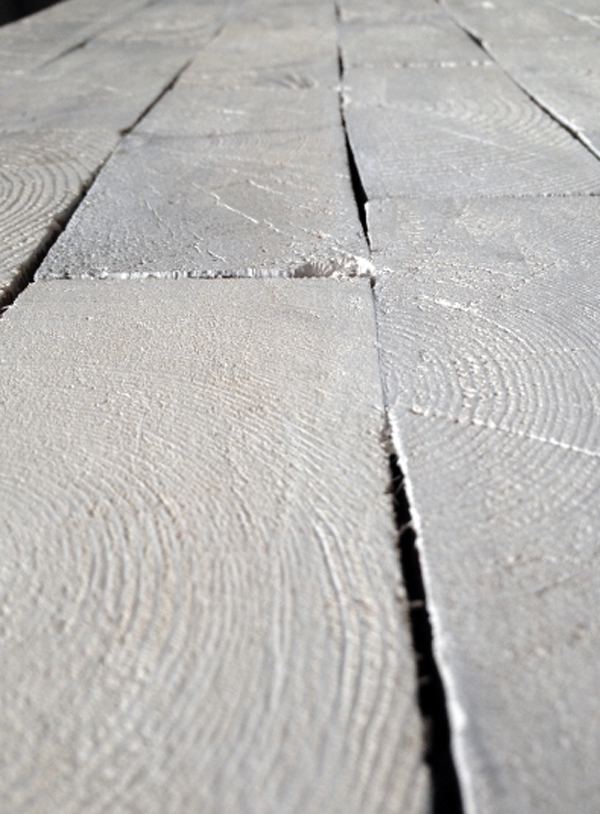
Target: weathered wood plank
[
  {"x": 246, "y": 56},
  {"x": 438, "y": 132},
  {"x": 489, "y": 316},
  {"x": 388, "y": 11},
  {"x": 563, "y": 76},
  {"x": 553, "y": 57},
  {"x": 85, "y": 91},
  {"x": 257, "y": 204},
  {"x": 436, "y": 41},
  {"x": 242, "y": 170},
  {"x": 58, "y": 126},
  {"x": 512, "y": 20},
  {"x": 201, "y": 607},
  {"x": 42, "y": 176},
  {"x": 35, "y": 40}
]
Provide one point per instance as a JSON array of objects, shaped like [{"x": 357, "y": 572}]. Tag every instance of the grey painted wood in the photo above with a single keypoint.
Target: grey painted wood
[
  {"x": 241, "y": 171},
  {"x": 256, "y": 204},
  {"x": 201, "y": 608},
  {"x": 586, "y": 10},
  {"x": 488, "y": 321},
  {"x": 249, "y": 55},
  {"x": 439, "y": 132},
  {"x": 183, "y": 24},
  {"x": 564, "y": 79},
  {"x": 42, "y": 176},
  {"x": 85, "y": 90}
]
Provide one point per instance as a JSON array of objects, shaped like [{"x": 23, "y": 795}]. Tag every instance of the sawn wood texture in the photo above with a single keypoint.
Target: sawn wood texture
[
  {"x": 488, "y": 320},
  {"x": 59, "y": 124},
  {"x": 201, "y": 605},
  {"x": 240, "y": 171}
]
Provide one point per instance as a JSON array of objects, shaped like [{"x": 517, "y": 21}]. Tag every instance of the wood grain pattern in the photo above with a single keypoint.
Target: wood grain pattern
[
  {"x": 244, "y": 205},
  {"x": 200, "y": 601},
  {"x": 241, "y": 171},
  {"x": 489, "y": 315},
  {"x": 561, "y": 75},
  {"x": 388, "y": 11},
  {"x": 57, "y": 127},
  {"x": 249, "y": 55},
  {"x": 85, "y": 91},
  {"x": 439, "y": 132},
  {"x": 511, "y": 20},
  {"x": 41, "y": 178}
]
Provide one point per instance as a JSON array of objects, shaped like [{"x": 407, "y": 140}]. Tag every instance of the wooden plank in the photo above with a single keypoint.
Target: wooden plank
[
  {"x": 512, "y": 20},
  {"x": 240, "y": 171},
  {"x": 179, "y": 23},
  {"x": 552, "y": 57},
  {"x": 436, "y": 41},
  {"x": 388, "y": 11},
  {"x": 85, "y": 91},
  {"x": 57, "y": 127},
  {"x": 201, "y": 607},
  {"x": 488, "y": 321},
  {"x": 256, "y": 204},
  {"x": 42, "y": 176},
  {"x": 564, "y": 78},
  {"x": 37, "y": 39},
  {"x": 586, "y": 10},
  {"x": 246, "y": 56},
  {"x": 439, "y": 132}
]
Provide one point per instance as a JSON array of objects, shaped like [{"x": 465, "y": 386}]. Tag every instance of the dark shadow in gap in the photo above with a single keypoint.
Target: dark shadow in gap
[
  {"x": 11, "y": 10},
  {"x": 432, "y": 698}
]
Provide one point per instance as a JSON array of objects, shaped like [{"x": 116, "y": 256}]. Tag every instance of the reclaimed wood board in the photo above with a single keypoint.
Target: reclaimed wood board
[
  {"x": 201, "y": 608},
  {"x": 245, "y": 205},
  {"x": 444, "y": 131},
  {"x": 57, "y": 127},
  {"x": 421, "y": 43},
  {"x": 35, "y": 40},
  {"x": 489, "y": 312},
  {"x": 563, "y": 77},
  {"x": 387, "y": 11},
  {"x": 513, "y": 21},
  {"x": 239, "y": 171}
]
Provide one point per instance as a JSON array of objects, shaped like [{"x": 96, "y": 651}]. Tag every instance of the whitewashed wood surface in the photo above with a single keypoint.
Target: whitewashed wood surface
[
  {"x": 241, "y": 171},
  {"x": 59, "y": 124},
  {"x": 482, "y": 252},
  {"x": 550, "y": 51},
  {"x": 40, "y": 38},
  {"x": 443, "y": 131},
  {"x": 488, "y": 313},
  {"x": 201, "y": 606},
  {"x": 489, "y": 324}
]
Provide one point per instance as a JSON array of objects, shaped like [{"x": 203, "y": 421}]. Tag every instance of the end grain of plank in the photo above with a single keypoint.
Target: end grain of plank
[{"x": 200, "y": 605}]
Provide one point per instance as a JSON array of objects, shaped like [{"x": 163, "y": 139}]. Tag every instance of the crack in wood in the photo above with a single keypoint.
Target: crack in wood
[
  {"x": 446, "y": 796},
  {"x": 358, "y": 189}
]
